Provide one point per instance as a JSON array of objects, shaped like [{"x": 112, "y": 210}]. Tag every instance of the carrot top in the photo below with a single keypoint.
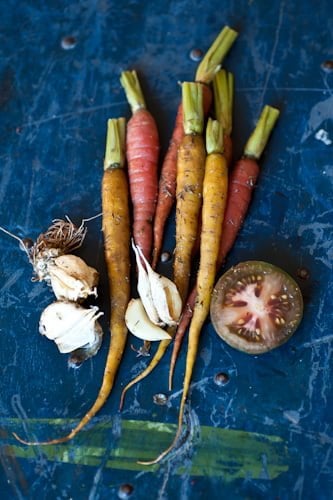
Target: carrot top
[
  {"x": 223, "y": 86},
  {"x": 259, "y": 137},
  {"x": 130, "y": 82},
  {"x": 214, "y": 137},
  {"x": 192, "y": 108},
  {"x": 213, "y": 58},
  {"x": 115, "y": 144}
]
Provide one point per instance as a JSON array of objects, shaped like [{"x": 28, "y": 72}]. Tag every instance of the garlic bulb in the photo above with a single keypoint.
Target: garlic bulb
[
  {"x": 70, "y": 326},
  {"x": 72, "y": 279},
  {"x": 139, "y": 324},
  {"x": 158, "y": 293}
]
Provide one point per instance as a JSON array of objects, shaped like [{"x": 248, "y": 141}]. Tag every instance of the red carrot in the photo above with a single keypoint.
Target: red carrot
[
  {"x": 241, "y": 185},
  {"x": 142, "y": 150},
  {"x": 167, "y": 184}
]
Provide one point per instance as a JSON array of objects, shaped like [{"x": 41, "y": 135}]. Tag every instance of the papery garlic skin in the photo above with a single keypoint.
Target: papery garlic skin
[
  {"x": 69, "y": 325},
  {"x": 139, "y": 324},
  {"x": 72, "y": 279}
]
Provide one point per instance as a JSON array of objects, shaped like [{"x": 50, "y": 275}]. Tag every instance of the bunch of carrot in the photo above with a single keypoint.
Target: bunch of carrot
[{"x": 210, "y": 207}]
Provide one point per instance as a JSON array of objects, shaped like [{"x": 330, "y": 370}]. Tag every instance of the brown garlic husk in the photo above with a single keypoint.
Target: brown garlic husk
[{"x": 72, "y": 279}]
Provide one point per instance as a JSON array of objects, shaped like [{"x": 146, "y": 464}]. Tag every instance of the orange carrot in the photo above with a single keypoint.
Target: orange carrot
[
  {"x": 215, "y": 187},
  {"x": 116, "y": 229},
  {"x": 167, "y": 183},
  {"x": 241, "y": 185},
  {"x": 142, "y": 150}
]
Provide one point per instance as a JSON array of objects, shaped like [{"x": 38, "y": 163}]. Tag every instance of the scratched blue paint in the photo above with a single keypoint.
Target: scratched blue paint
[{"x": 54, "y": 104}]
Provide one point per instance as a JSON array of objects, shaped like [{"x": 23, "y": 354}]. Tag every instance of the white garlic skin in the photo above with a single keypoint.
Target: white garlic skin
[
  {"x": 70, "y": 325},
  {"x": 72, "y": 279}
]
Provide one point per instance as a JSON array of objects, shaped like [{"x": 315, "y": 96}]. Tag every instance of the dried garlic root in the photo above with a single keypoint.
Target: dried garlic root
[{"x": 74, "y": 329}]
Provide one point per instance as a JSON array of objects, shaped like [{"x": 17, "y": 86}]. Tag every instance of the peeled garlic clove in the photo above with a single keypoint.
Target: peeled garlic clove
[
  {"x": 165, "y": 295},
  {"x": 72, "y": 279},
  {"x": 144, "y": 290},
  {"x": 139, "y": 324},
  {"x": 69, "y": 325}
]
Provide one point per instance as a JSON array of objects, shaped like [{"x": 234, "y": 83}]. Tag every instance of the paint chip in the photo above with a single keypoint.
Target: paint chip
[{"x": 322, "y": 135}]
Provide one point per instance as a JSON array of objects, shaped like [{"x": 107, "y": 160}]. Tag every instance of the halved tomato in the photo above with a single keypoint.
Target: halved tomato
[{"x": 256, "y": 307}]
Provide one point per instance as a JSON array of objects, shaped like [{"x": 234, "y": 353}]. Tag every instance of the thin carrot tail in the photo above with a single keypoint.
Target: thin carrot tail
[
  {"x": 163, "y": 345},
  {"x": 190, "y": 360},
  {"x": 174, "y": 441},
  {"x": 182, "y": 327}
]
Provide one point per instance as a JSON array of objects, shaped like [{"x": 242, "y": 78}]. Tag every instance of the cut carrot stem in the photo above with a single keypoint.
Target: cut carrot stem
[
  {"x": 130, "y": 82},
  {"x": 223, "y": 86},
  {"x": 258, "y": 139},
  {"x": 116, "y": 229},
  {"x": 211, "y": 63},
  {"x": 214, "y": 201}
]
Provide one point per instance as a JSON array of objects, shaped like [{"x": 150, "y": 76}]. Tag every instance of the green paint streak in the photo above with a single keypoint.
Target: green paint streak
[{"x": 226, "y": 453}]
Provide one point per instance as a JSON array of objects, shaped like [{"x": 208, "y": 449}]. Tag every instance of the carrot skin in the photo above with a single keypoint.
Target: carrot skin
[
  {"x": 167, "y": 182},
  {"x": 162, "y": 347},
  {"x": 142, "y": 150},
  {"x": 167, "y": 186},
  {"x": 242, "y": 182},
  {"x": 190, "y": 174}
]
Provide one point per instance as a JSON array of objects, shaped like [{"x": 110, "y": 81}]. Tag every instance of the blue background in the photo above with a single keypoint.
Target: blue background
[{"x": 54, "y": 104}]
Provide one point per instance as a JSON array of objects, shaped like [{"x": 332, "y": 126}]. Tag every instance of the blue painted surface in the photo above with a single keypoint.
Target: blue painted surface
[{"x": 54, "y": 104}]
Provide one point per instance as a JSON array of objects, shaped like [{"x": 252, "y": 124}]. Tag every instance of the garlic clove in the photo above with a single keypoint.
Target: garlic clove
[
  {"x": 72, "y": 279},
  {"x": 165, "y": 295},
  {"x": 69, "y": 325},
  {"x": 139, "y": 324},
  {"x": 144, "y": 289}
]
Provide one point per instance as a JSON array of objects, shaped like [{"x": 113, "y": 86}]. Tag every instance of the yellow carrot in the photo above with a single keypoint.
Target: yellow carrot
[
  {"x": 215, "y": 187},
  {"x": 190, "y": 174},
  {"x": 116, "y": 229}
]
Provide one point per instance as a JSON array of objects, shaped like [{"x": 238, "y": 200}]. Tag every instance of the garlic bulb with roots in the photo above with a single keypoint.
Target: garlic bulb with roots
[
  {"x": 71, "y": 326},
  {"x": 61, "y": 238},
  {"x": 72, "y": 279}
]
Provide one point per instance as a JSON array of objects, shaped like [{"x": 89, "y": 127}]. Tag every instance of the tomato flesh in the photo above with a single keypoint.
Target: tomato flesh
[{"x": 256, "y": 307}]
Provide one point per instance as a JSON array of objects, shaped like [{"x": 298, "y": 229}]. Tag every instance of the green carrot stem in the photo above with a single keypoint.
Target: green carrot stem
[
  {"x": 213, "y": 58},
  {"x": 259, "y": 137},
  {"x": 115, "y": 144},
  {"x": 214, "y": 137},
  {"x": 223, "y": 86},
  {"x": 192, "y": 108},
  {"x": 130, "y": 82}
]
